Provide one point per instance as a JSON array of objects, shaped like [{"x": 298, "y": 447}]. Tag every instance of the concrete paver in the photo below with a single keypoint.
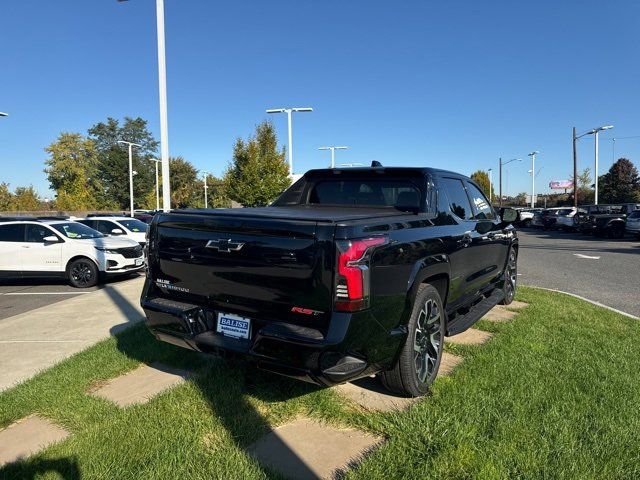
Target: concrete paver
[
  {"x": 471, "y": 336},
  {"x": 370, "y": 394},
  {"x": 499, "y": 315},
  {"x": 140, "y": 385},
  {"x": 28, "y": 436},
  {"x": 35, "y": 340},
  {"x": 448, "y": 363},
  {"x": 515, "y": 305},
  {"x": 306, "y": 449}
]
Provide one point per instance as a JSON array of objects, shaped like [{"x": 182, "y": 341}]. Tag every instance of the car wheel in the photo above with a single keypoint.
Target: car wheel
[
  {"x": 419, "y": 360},
  {"x": 526, "y": 223},
  {"x": 82, "y": 273},
  {"x": 510, "y": 278}
]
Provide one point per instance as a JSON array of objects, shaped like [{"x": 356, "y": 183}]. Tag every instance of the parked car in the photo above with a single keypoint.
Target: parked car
[
  {"x": 351, "y": 272},
  {"x": 545, "y": 219},
  {"x": 525, "y": 216},
  {"x": 565, "y": 218},
  {"x": 605, "y": 220},
  {"x": 64, "y": 249},
  {"x": 633, "y": 223},
  {"x": 118, "y": 226}
]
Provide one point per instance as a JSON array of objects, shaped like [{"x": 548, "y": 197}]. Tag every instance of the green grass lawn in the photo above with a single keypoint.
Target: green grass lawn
[{"x": 555, "y": 394}]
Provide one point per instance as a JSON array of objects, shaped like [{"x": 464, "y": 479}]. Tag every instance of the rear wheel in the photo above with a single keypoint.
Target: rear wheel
[
  {"x": 421, "y": 354},
  {"x": 616, "y": 230},
  {"x": 510, "y": 278},
  {"x": 82, "y": 273}
]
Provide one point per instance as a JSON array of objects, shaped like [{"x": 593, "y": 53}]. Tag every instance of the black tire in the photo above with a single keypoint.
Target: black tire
[
  {"x": 419, "y": 360},
  {"x": 82, "y": 273},
  {"x": 510, "y": 278},
  {"x": 526, "y": 223}
]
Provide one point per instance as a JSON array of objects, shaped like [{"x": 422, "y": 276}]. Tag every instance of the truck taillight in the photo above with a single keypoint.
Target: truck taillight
[{"x": 352, "y": 274}]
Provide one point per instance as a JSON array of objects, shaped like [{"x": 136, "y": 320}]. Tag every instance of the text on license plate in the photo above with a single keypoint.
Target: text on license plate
[{"x": 233, "y": 325}]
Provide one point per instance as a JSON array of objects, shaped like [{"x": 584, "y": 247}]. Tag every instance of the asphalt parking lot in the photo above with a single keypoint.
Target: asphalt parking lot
[
  {"x": 20, "y": 296},
  {"x": 603, "y": 270}
]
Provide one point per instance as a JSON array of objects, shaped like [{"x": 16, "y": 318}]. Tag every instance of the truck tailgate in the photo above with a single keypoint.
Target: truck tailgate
[{"x": 267, "y": 268}]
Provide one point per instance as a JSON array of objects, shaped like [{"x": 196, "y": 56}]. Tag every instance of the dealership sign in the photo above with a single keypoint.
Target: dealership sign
[{"x": 560, "y": 184}]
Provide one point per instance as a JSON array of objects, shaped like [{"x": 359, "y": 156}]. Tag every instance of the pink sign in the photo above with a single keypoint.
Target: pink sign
[{"x": 560, "y": 184}]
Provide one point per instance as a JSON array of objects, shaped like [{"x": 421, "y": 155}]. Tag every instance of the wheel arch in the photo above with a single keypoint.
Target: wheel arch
[{"x": 78, "y": 257}]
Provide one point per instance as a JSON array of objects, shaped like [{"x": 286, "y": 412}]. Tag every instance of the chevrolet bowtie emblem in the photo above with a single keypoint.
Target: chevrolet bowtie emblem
[{"x": 225, "y": 245}]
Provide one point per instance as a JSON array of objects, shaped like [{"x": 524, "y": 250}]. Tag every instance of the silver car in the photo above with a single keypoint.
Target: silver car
[{"x": 633, "y": 223}]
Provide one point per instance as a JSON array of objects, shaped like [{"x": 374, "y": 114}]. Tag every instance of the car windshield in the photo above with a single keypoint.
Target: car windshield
[
  {"x": 134, "y": 225},
  {"x": 76, "y": 230}
]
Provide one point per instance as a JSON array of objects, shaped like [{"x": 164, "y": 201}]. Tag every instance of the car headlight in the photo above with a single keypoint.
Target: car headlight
[{"x": 107, "y": 250}]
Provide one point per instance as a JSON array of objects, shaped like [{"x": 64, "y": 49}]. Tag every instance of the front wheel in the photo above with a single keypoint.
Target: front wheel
[
  {"x": 419, "y": 360},
  {"x": 510, "y": 278},
  {"x": 83, "y": 273}
]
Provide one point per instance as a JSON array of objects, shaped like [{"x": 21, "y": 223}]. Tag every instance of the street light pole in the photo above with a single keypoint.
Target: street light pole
[
  {"x": 501, "y": 163},
  {"x": 289, "y": 111},
  {"x": 164, "y": 123},
  {"x": 130, "y": 145},
  {"x": 205, "y": 190},
  {"x": 533, "y": 177},
  {"x": 333, "y": 153},
  {"x": 595, "y": 133}
]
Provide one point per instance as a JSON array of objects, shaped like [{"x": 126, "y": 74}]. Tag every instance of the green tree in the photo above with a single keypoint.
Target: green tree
[
  {"x": 72, "y": 170},
  {"x": 621, "y": 183},
  {"x": 6, "y": 197},
  {"x": 258, "y": 172},
  {"x": 25, "y": 199},
  {"x": 216, "y": 195},
  {"x": 482, "y": 179},
  {"x": 585, "y": 192},
  {"x": 186, "y": 189},
  {"x": 114, "y": 159}
]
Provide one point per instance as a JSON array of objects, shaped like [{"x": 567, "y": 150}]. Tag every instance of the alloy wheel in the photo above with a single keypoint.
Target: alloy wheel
[
  {"x": 427, "y": 344},
  {"x": 81, "y": 274},
  {"x": 511, "y": 276}
]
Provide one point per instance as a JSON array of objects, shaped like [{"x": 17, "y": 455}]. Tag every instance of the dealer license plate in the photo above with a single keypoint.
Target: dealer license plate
[{"x": 233, "y": 325}]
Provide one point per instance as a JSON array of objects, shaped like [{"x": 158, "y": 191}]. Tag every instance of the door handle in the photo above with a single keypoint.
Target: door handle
[{"x": 466, "y": 240}]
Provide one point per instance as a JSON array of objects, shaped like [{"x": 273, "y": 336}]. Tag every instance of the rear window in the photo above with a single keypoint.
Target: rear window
[
  {"x": 401, "y": 194},
  {"x": 12, "y": 233}
]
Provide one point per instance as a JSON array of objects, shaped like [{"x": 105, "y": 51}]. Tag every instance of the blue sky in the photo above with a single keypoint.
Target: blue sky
[{"x": 453, "y": 84}]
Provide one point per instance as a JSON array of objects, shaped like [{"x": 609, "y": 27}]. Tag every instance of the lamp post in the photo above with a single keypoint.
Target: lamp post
[
  {"x": 289, "y": 111},
  {"x": 205, "y": 190},
  {"x": 490, "y": 185},
  {"x": 594, "y": 132},
  {"x": 533, "y": 177},
  {"x": 156, "y": 161},
  {"x": 130, "y": 145},
  {"x": 164, "y": 124},
  {"x": 501, "y": 163},
  {"x": 333, "y": 153}
]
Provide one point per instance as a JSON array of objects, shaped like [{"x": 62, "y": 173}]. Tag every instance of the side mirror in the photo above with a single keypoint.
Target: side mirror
[
  {"x": 508, "y": 215},
  {"x": 117, "y": 231},
  {"x": 51, "y": 239}
]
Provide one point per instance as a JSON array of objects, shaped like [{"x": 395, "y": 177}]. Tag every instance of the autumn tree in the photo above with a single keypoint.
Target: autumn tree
[
  {"x": 482, "y": 179},
  {"x": 258, "y": 172},
  {"x": 26, "y": 199},
  {"x": 72, "y": 171},
  {"x": 621, "y": 183},
  {"x": 6, "y": 197}
]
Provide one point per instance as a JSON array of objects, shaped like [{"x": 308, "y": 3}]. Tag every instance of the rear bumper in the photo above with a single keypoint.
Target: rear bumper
[{"x": 349, "y": 349}]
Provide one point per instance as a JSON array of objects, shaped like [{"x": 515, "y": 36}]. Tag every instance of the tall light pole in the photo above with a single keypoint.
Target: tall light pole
[
  {"x": 289, "y": 111},
  {"x": 595, "y": 132},
  {"x": 130, "y": 145},
  {"x": 333, "y": 153},
  {"x": 533, "y": 177},
  {"x": 501, "y": 163},
  {"x": 490, "y": 185},
  {"x": 205, "y": 190},
  {"x": 164, "y": 124},
  {"x": 156, "y": 161}
]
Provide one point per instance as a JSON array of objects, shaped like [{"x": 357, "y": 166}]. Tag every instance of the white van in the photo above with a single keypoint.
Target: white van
[{"x": 64, "y": 249}]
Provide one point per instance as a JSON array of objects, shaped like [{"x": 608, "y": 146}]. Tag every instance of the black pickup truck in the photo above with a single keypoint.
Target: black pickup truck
[
  {"x": 351, "y": 272},
  {"x": 604, "y": 220}
]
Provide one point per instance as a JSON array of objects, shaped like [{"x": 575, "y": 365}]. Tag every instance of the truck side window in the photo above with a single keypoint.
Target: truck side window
[
  {"x": 456, "y": 196},
  {"x": 481, "y": 208},
  {"x": 12, "y": 233}
]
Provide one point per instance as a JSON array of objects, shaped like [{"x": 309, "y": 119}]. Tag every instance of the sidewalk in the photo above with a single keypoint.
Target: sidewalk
[{"x": 40, "y": 338}]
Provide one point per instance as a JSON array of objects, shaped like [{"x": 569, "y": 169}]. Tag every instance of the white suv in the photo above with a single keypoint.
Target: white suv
[
  {"x": 64, "y": 248},
  {"x": 118, "y": 226}
]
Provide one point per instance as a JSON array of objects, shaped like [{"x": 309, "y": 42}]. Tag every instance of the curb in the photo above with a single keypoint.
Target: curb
[{"x": 593, "y": 302}]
